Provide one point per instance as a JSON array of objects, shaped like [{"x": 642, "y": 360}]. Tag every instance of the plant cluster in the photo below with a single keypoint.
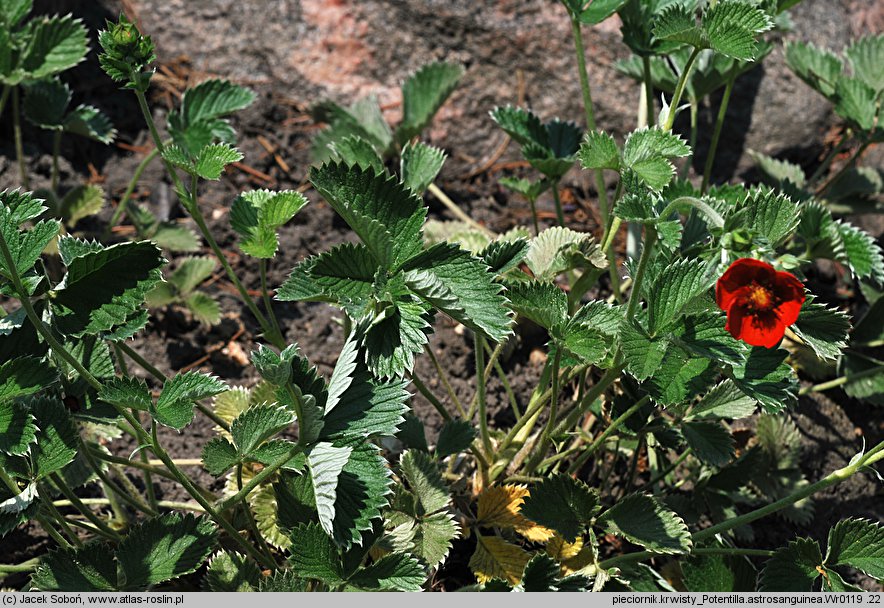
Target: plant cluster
[{"x": 330, "y": 483}]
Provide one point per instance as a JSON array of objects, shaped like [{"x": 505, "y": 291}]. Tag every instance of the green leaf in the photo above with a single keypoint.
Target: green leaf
[
  {"x": 868, "y": 388},
  {"x": 460, "y": 285},
  {"x": 425, "y": 480},
  {"x": 219, "y": 456},
  {"x": 422, "y": 96},
  {"x": 363, "y": 490},
  {"x": 213, "y": 99},
  {"x": 17, "y": 430},
  {"x": 861, "y": 253},
  {"x": 866, "y": 56},
  {"x": 523, "y": 126},
  {"x": 562, "y": 503},
  {"x": 792, "y": 568},
  {"x": 599, "y": 151},
  {"x": 24, "y": 376},
  {"x": 778, "y": 172},
  {"x": 711, "y": 442},
  {"x": 395, "y": 338},
  {"x": 641, "y": 519},
  {"x": 455, "y": 437},
  {"x": 212, "y": 159},
  {"x": 823, "y": 329},
  {"x": 773, "y": 215},
  {"x": 420, "y": 164},
  {"x": 394, "y": 572},
  {"x": 57, "y": 437},
  {"x": 678, "y": 284},
  {"x": 367, "y": 408},
  {"x": 103, "y": 288},
  {"x": 704, "y": 334},
  {"x": 45, "y": 103},
  {"x": 501, "y": 256},
  {"x": 176, "y": 238},
  {"x": 820, "y": 69},
  {"x": 642, "y": 353},
  {"x": 326, "y": 463},
  {"x": 256, "y": 216},
  {"x": 283, "y": 581},
  {"x": 599, "y": 10},
  {"x": 385, "y": 214},
  {"x": 13, "y": 11},
  {"x": 232, "y": 572},
  {"x": 542, "y": 303},
  {"x": 175, "y": 404},
  {"x": 17, "y": 207},
  {"x": 88, "y": 121},
  {"x": 725, "y": 400},
  {"x": 677, "y": 23},
  {"x": 91, "y": 568},
  {"x": 191, "y": 272},
  {"x": 258, "y": 424},
  {"x": 355, "y": 150},
  {"x": 856, "y": 102},
  {"x": 858, "y": 543},
  {"x": 552, "y": 252},
  {"x": 81, "y": 202},
  {"x": 164, "y": 548},
  {"x": 767, "y": 378},
  {"x": 731, "y": 27},
  {"x": 582, "y": 342},
  {"x": 432, "y": 537},
  {"x": 315, "y": 556},
  {"x": 647, "y": 153},
  {"x": 56, "y": 44},
  {"x": 24, "y": 247},
  {"x": 126, "y": 392}
]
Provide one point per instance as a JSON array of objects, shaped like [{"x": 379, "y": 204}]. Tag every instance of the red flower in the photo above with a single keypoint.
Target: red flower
[{"x": 760, "y": 302}]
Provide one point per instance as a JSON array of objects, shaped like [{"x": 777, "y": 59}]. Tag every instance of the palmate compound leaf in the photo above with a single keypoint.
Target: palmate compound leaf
[
  {"x": 856, "y": 102},
  {"x": 386, "y": 215},
  {"x": 731, "y": 27},
  {"x": 710, "y": 441},
  {"x": 17, "y": 207},
  {"x": 88, "y": 121},
  {"x": 91, "y": 568},
  {"x": 355, "y": 150},
  {"x": 642, "y": 353},
  {"x": 164, "y": 548},
  {"x": 258, "y": 424},
  {"x": 24, "y": 247},
  {"x": 232, "y": 572},
  {"x": 643, "y": 520},
  {"x": 174, "y": 407},
  {"x": 819, "y": 68},
  {"x": 792, "y": 568},
  {"x": 858, "y": 543},
  {"x": 460, "y": 285},
  {"x": 494, "y": 558},
  {"x": 541, "y": 302},
  {"x": 17, "y": 429},
  {"x": 704, "y": 335},
  {"x": 423, "y": 477},
  {"x": 24, "y": 376},
  {"x": 563, "y": 504},
  {"x": 678, "y": 284},
  {"x": 103, "y": 288},
  {"x": 56, "y": 44},
  {"x": 326, "y": 462},
  {"x": 212, "y": 159},
  {"x": 191, "y": 272},
  {"x": 724, "y": 400},
  {"x": 823, "y": 329},
  {"x": 861, "y": 253},
  {"x": 13, "y": 11},
  {"x": 393, "y": 340},
  {"x": 499, "y": 507},
  {"x": 420, "y": 164},
  {"x": 57, "y": 437},
  {"x": 647, "y": 152},
  {"x": 257, "y": 215},
  {"x": 342, "y": 375},
  {"x": 126, "y": 392},
  {"x": 502, "y": 255},
  {"x": 522, "y": 125},
  {"x": 423, "y": 94},
  {"x": 599, "y": 151}
]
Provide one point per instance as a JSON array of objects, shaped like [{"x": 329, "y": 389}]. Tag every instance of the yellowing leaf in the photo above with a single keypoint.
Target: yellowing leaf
[
  {"x": 496, "y": 558},
  {"x": 583, "y": 562},
  {"x": 561, "y": 550},
  {"x": 499, "y": 507}
]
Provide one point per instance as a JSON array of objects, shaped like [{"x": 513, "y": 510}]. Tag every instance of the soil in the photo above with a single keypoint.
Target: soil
[{"x": 294, "y": 53}]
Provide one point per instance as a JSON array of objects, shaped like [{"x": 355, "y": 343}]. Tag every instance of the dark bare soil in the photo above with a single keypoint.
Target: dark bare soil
[{"x": 294, "y": 53}]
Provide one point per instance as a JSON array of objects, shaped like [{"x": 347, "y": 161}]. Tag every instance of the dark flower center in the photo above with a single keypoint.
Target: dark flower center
[{"x": 760, "y": 298}]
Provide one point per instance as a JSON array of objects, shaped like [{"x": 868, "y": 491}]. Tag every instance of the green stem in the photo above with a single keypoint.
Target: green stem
[
  {"x": 28, "y": 566},
  {"x": 56, "y": 151},
  {"x": 19, "y": 146},
  {"x": 695, "y": 111},
  {"x": 130, "y": 189},
  {"x": 633, "y": 467},
  {"x": 258, "y": 479},
  {"x": 672, "y": 466},
  {"x": 111, "y": 488},
  {"x": 560, "y": 214},
  {"x": 479, "y": 347},
  {"x": 495, "y": 355},
  {"x": 46, "y": 503},
  {"x": 3, "y": 97},
  {"x": 679, "y": 90},
  {"x": 265, "y": 294},
  {"x": 847, "y": 165},
  {"x": 429, "y": 396},
  {"x": 711, "y": 214},
  {"x": 841, "y": 381},
  {"x": 577, "y": 35},
  {"x": 607, "y": 433},
  {"x": 507, "y": 388},
  {"x": 716, "y": 132},
  {"x": 644, "y": 260},
  {"x": 546, "y": 434},
  {"x": 648, "y": 83},
  {"x": 583, "y": 284},
  {"x": 443, "y": 376},
  {"x": 86, "y": 511},
  {"x": 165, "y": 504},
  {"x": 818, "y": 172},
  {"x": 250, "y": 518}
]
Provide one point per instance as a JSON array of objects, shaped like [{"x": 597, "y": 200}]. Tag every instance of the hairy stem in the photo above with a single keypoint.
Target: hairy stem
[
  {"x": 250, "y": 518},
  {"x": 648, "y": 87},
  {"x": 669, "y": 469},
  {"x": 840, "y": 381},
  {"x": 443, "y": 376},
  {"x": 827, "y": 161},
  {"x": 546, "y": 434},
  {"x": 479, "y": 347},
  {"x": 265, "y": 294},
  {"x": 679, "y": 90},
  {"x": 607, "y": 433},
  {"x": 19, "y": 146},
  {"x": 716, "y": 132},
  {"x": 86, "y": 511},
  {"x": 28, "y": 566},
  {"x": 130, "y": 189},
  {"x": 644, "y": 260}
]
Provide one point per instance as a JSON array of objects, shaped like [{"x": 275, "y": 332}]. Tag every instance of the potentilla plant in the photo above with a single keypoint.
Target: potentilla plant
[{"x": 330, "y": 483}]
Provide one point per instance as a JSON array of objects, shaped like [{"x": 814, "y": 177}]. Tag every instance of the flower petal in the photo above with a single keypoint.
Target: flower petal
[
  {"x": 762, "y": 329},
  {"x": 739, "y": 275}
]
